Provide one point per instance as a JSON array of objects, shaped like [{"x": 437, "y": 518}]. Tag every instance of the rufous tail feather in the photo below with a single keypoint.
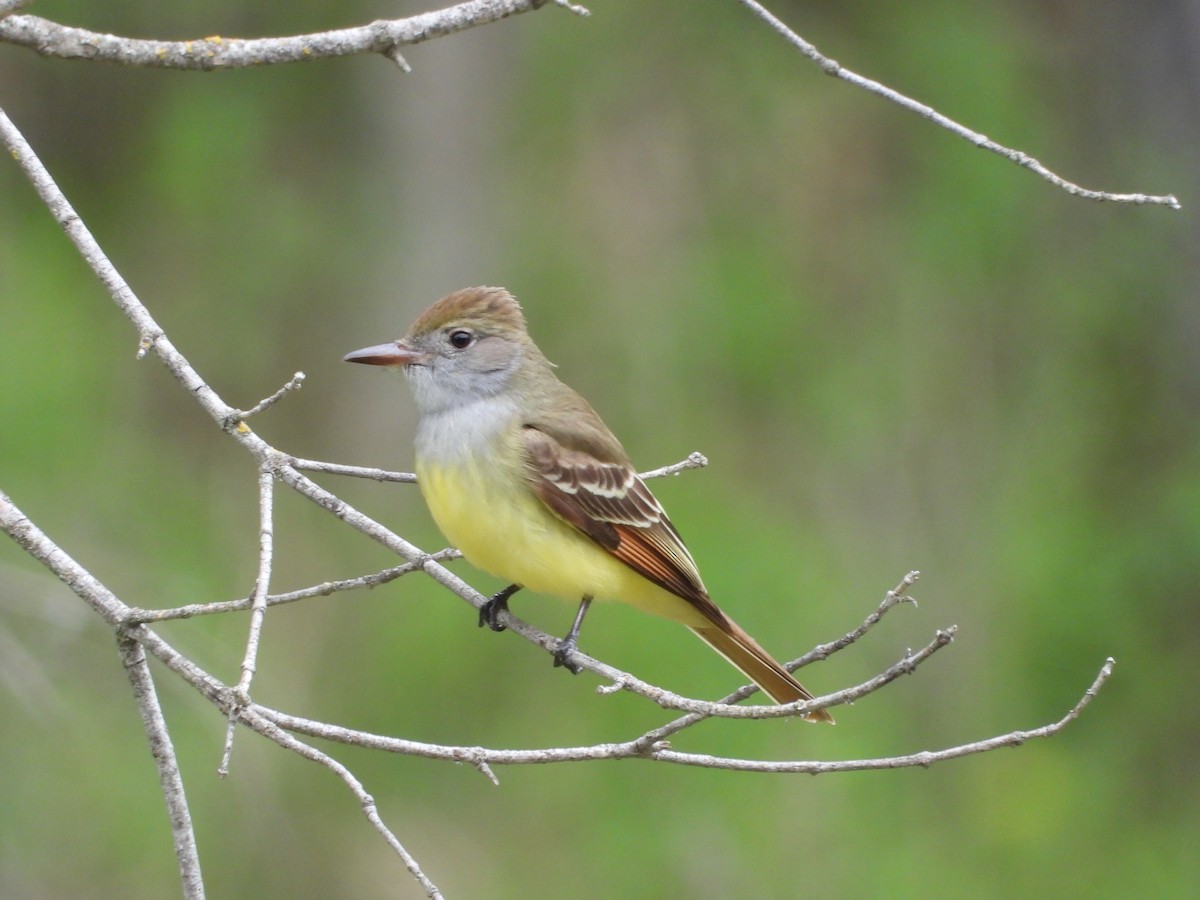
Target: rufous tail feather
[{"x": 758, "y": 665}]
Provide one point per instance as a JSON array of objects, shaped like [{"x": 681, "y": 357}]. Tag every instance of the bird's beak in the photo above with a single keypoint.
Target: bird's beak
[{"x": 391, "y": 354}]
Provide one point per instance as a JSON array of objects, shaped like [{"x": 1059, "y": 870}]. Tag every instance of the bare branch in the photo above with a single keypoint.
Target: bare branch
[
  {"x": 311, "y": 465},
  {"x": 152, "y": 336},
  {"x": 660, "y": 751},
  {"x": 832, "y": 67},
  {"x": 82, "y": 583},
  {"x": 384, "y": 36},
  {"x": 924, "y": 759},
  {"x": 268, "y": 729},
  {"x": 262, "y": 584},
  {"x": 726, "y": 708},
  {"x": 483, "y": 758},
  {"x": 138, "y": 616},
  {"x": 239, "y": 415},
  {"x": 695, "y": 460},
  {"x": 169, "y": 777},
  {"x": 892, "y": 598},
  {"x": 258, "y": 605},
  {"x": 393, "y": 53},
  {"x": 387, "y": 36}
]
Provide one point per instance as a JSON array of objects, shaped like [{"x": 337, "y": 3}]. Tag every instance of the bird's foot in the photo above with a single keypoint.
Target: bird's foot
[
  {"x": 489, "y": 613},
  {"x": 563, "y": 654},
  {"x": 566, "y": 647}
]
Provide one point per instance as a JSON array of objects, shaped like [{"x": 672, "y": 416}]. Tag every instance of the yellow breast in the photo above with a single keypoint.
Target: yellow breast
[{"x": 503, "y": 528}]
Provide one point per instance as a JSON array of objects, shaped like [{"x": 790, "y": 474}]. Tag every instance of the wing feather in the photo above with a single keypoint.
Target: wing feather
[{"x": 609, "y": 502}]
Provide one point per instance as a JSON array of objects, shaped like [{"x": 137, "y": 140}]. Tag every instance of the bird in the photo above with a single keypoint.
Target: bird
[{"x": 522, "y": 475}]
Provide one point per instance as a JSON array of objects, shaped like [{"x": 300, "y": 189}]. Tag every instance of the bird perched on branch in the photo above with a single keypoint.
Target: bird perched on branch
[{"x": 521, "y": 474}]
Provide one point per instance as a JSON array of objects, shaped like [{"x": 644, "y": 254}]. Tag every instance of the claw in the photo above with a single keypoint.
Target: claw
[
  {"x": 562, "y": 656},
  {"x": 489, "y": 613},
  {"x": 566, "y": 647}
]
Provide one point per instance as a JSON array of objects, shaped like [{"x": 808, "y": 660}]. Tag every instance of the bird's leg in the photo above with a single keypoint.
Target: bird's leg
[
  {"x": 496, "y": 604},
  {"x": 567, "y": 645}
]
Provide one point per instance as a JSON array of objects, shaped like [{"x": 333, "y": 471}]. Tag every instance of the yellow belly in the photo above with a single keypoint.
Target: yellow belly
[{"x": 503, "y": 528}]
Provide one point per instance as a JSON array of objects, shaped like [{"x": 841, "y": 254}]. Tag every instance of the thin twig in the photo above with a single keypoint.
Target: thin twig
[
  {"x": 832, "y": 67},
  {"x": 727, "y": 708},
  {"x": 169, "y": 778},
  {"x": 258, "y": 606},
  {"x": 312, "y": 465},
  {"x": 694, "y": 460},
  {"x": 262, "y": 584},
  {"x": 923, "y": 759},
  {"x": 139, "y": 616},
  {"x": 393, "y": 53},
  {"x": 573, "y": 7},
  {"x": 892, "y": 598},
  {"x": 239, "y": 415}
]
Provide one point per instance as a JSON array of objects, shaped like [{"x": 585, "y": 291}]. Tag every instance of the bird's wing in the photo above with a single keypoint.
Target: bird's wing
[{"x": 609, "y": 503}]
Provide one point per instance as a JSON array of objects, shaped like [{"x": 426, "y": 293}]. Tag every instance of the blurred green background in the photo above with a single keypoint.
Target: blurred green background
[{"x": 896, "y": 351}]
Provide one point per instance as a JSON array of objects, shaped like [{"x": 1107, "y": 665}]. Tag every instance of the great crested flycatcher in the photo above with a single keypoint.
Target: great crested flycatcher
[{"x": 522, "y": 476}]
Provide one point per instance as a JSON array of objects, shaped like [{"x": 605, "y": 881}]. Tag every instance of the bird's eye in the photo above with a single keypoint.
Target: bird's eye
[{"x": 461, "y": 339}]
